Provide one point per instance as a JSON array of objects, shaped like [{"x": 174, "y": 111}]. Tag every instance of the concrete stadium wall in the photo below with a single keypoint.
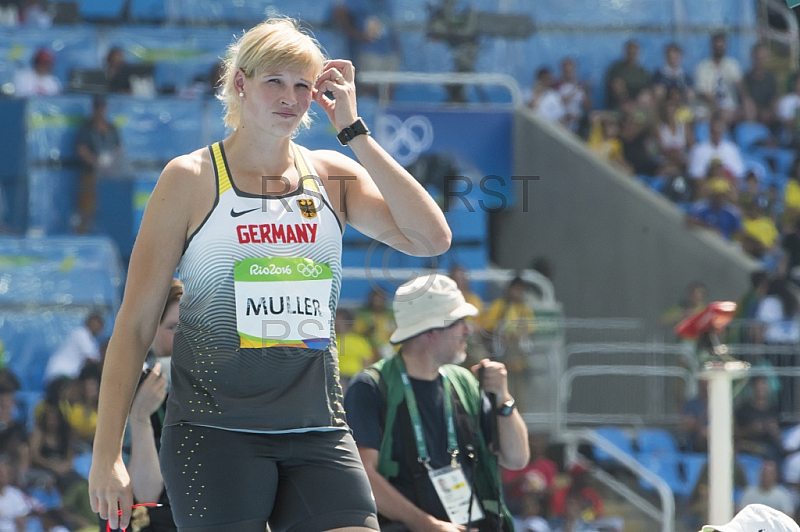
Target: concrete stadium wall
[{"x": 617, "y": 249}]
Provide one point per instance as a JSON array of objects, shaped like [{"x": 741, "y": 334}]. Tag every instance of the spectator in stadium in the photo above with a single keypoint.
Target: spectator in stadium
[
  {"x": 791, "y": 196},
  {"x": 639, "y": 135},
  {"x": 698, "y": 505},
  {"x": 768, "y": 492},
  {"x": 695, "y": 299},
  {"x": 756, "y": 429},
  {"x": 507, "y": 329},
  {"x": 586, "y": 500},
  {"x": 760, "y": 90},
  {"x": 34, "y": 15},
  {"x": 791, "y": 246},
  {"x": 626, "y": 78},
  {"x": 81, "y": 412},
  {"x": 531, "y": 516},
  {"x": 372, "y": 41},
  {"x": 718, "y": 80},
  {"x": 80, "y": 346},
  {"x": 604, "y": 139},
  {"x": 51, "y": 443},
  {"x": 355, "y": 351},
  {"x": 13, "y": 433},
  {"x": 537, "y": 478},
  {"x": 575, "y": 97},
  {"x": 99, "y": 149},
  {"x": 716, "y": 147},
  {"x": 751, "y": 192},
  {"x": 576, "y": 516},
  {"x": 116, "y": 79},
  {"x": 789, "y": 114},
  {"x": 15, "y": 507},
  {"x": 693, "y": 429},
  {"x": 747, "y": 306},
  {"x": 675, "y": 138},
  {"x": 288, "y": 388},
  {"x": 544, "y": 99},
  {"x": 38, "y": 80},
  {"x": 760, "y": 238},
  {"x": 778, "y": 317},
  {"x": 672, "y": 76},
  {"x": 458, "y": 273},
  {"x": 375, "y": 322},
  {"x": 715, "y": 212}
]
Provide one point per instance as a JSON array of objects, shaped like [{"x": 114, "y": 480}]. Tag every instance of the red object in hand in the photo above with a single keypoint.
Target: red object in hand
[
  {"x": 119, "y": 512},
  {"x": 714, "y": 317}
]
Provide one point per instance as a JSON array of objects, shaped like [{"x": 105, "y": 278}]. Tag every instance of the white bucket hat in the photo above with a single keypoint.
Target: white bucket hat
[
  {"x": 428, "y": 302},
  {"x": 757, "y": 518}
]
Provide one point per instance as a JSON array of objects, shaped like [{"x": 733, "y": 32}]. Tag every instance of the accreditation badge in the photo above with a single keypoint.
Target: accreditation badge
[
  {"x": 456, "y": 495},
  {"x": 283, "y": 301}
]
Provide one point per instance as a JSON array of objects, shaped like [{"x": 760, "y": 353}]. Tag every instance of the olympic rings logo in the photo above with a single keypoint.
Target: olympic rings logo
[
  {"x": 405, "y": 139},
  {"x": 310, "y": 271}
]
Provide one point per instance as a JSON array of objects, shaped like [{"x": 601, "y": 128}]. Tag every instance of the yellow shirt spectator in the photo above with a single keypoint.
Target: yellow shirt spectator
[{"x": 355, "y": 353}]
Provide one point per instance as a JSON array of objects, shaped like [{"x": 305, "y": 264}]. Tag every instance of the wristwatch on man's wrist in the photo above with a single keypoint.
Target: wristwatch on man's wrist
[
  {"x": 507, "y": 408},
  {"x": 349, "y": 133}
]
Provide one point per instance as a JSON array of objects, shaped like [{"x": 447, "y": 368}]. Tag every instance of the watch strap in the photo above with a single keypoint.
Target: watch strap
[
  {"x": 355, "y": 129},
  {"x": 507, "y": 408}
]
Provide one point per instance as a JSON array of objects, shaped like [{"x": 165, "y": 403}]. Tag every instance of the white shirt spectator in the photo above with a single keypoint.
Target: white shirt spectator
[
  {"x": 720, "y": 80},
  {"x": 779, "y": 329},
  {"x": 550, "y": 106},
  {"x": 726, "y": 151},
  {"x": 777, "y": 498},
  {"x": 787, "y": 107},
  {"x": 28, "y": 82},
  {"x": 531, "y": 524},
  {"x": 13, "y": 504},
  {"x": 70, "y": 357},
  {"x": 572, "y": 98}
]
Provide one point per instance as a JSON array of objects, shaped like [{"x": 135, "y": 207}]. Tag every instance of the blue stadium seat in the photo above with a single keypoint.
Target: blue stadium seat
[
  {"x": 148, "y": 10},
  {"x": 101, "y": 10},
  {"x": 752, "y": 467},
  {"x": 693, "y": 464},
  {"x": 656, "y": 441},
  {"x": 618, "y": 437},
  {"x": 748, "y": 134},
  {"x": 668, "y": 468}
]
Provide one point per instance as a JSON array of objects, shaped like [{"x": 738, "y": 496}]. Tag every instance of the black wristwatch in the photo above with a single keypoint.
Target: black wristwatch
[
  {"x": 507, "y": 408},
  {"x": 349, "y": 133}
]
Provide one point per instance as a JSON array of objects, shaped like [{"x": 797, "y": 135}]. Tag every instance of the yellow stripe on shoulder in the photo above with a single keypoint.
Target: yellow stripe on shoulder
[
  {"x": 222, "y": 170},
  {"x": 306, "y": 176}
]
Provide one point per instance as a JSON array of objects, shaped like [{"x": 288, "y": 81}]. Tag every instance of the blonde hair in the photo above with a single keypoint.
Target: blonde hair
[{"x": 276, "y": 43}]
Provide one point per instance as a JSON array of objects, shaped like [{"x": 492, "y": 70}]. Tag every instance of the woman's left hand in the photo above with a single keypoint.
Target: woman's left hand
[{"x": 338, "y": 77}]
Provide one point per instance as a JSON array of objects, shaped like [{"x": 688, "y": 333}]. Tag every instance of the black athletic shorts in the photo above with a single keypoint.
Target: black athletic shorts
[{"x": 221, "y": 480}]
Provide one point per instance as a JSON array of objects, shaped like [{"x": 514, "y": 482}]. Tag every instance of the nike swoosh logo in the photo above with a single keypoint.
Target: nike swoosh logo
[{"x": 237, "y": 214}]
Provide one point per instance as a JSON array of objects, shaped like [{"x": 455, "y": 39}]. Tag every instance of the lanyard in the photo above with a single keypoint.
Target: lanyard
[{"x": 416, "y": 422}]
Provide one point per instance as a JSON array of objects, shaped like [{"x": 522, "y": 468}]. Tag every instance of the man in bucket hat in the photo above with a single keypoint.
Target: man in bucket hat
[
  {"x": 757, "y": 518},
  {"x": 421, "y": 422}
]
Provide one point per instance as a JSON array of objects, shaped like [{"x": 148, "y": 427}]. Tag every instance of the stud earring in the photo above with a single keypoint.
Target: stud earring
[{"x": 241, "y": 95}]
